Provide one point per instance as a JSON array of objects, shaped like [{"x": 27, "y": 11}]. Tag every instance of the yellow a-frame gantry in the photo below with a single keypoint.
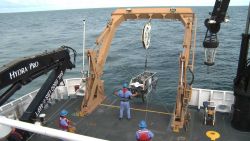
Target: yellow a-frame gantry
[{"x": 95, "y": 86}]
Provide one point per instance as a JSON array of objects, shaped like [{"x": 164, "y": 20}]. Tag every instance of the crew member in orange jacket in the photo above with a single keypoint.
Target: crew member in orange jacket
[{"x": 143, "y": 134}]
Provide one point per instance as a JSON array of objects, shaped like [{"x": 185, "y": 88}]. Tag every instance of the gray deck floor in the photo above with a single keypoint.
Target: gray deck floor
[{"x": 103, "y": 122}]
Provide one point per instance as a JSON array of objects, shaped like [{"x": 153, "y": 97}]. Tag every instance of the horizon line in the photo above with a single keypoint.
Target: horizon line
[{"x": 61, "y": 9}]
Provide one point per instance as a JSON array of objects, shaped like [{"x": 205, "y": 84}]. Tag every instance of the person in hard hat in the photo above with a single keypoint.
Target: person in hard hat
[
  {"x": 125, "y": 95},
  {"x": 143, "y": 134},
  {"x": 64, "y": 121}
]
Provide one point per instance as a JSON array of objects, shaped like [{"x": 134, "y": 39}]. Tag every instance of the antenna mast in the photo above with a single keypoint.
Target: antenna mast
[{"x": 83, "y": 46}]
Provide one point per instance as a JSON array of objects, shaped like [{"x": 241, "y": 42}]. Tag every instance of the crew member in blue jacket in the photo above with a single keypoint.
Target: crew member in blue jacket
[
  {"x": 143, "y": 134},
  {"x": 125, "y": 95}
]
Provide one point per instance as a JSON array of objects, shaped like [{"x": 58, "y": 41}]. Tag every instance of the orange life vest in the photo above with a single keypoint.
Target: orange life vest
[{"x": 143, "y": 135}]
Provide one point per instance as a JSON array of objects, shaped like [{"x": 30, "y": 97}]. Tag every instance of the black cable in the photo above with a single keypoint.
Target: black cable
[
  {"x": 74, "y": 52},
  {"x": 192, "y": 76}
]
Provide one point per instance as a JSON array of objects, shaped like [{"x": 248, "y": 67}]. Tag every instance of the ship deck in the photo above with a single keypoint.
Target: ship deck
[{"x": 104, "y": 123}]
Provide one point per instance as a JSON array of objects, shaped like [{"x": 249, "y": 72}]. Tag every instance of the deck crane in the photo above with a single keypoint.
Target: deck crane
[
  {"x": 95, "y": 86},
  {"x": 22, "y": 71}
]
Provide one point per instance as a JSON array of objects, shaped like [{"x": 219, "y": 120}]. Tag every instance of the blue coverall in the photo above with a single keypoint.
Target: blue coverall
[{"x": 124, "y": 98}]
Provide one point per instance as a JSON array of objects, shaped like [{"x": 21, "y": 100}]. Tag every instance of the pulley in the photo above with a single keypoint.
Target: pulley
[
  {"x": 146, "y": 39},
  {"x": 146, "y": 35}
]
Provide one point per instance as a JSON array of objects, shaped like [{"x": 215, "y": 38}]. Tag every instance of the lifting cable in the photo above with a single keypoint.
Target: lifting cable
[
  {"x": 146, "y": 60},
  {"x": 148, "y": 100},
  {"x": 146, "y": 42}
]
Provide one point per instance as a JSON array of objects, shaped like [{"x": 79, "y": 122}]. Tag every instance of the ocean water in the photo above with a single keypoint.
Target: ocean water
[{"x": 23, "y": 34}]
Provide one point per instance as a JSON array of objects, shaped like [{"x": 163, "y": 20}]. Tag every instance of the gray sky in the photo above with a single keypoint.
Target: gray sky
[{"x": 41, "y": 5}]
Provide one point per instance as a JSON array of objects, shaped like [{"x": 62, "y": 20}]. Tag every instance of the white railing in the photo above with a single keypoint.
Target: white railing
[
  {"x": 15, "y": 108},
  {"x": 59, "y": 134},
  {"x": 73, "y": 84},
  {"x": 223, "y": 99}
]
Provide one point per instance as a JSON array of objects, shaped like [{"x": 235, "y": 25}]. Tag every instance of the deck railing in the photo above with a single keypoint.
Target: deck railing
[
  {"x": 223, "y": 99},
  {"x": 16, "y": 108}
]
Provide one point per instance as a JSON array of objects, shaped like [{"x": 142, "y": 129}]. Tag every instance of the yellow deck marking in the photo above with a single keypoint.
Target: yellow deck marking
[{"x": 142, "y": 110}]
